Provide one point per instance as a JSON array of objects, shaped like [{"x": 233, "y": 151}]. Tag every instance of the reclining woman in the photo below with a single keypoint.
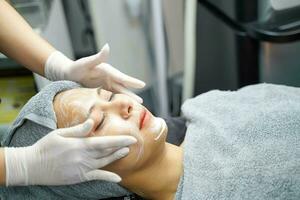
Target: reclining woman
[{"x": 238, "y": 145}]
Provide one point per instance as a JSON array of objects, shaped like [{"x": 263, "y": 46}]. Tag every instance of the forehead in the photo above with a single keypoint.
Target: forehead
[
  {"x": 77, "y": 92},
  {"x": 75, "y": 99},
  {"x": 81, "y": 99},
  {"x": 83, "y": 93}
]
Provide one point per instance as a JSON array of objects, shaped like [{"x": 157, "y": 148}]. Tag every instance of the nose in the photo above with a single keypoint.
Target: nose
[{"x": 124, "y": 107}]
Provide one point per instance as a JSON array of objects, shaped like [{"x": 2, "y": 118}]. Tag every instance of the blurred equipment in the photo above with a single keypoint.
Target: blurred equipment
[
  {"x": 15, "y": 92},
  {"x": 243, "y": 42},
  {"x": 190, "y": 48},
  {"x": 35, "y": 12},
  {"x": 80, "y": 27},
  {"x": 160, "y": 57},
  {"x": 284, "y": 4}
]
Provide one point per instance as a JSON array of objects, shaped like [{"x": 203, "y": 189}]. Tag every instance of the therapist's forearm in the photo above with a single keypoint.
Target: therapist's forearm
[
  {"x": 2, "y": 167},
  {"x": 19, "y": 42}
]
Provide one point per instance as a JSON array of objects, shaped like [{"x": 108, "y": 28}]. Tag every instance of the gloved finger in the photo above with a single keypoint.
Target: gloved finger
[
  {"x": 102, "y": 175},
  {"x": 102, "y": 162},
  {"x": 105, "y": 142},
  {"x": 130, "y": 82},
  {"x": 123, "y": 90},
  {"x": 105, "y": 152},
  {"x": 96, "y": 59},
  {"x": 122, "y": 78},
  {"x": 81, "y": 130}
]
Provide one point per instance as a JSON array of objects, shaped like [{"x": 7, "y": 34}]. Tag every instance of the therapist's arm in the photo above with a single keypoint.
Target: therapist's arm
[
  {"x": 2, "y": 167},
  {"x": 19, "y": 42}
]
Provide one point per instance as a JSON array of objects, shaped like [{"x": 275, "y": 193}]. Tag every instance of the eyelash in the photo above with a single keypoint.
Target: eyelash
[
  {"x": 104, "y": 114},
  {"x": 111, "y": 97},
  {"x": 101, "y": 122}
]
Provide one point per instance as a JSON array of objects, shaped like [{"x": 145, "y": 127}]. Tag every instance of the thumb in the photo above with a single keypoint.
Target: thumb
[
  {"x": 104, "y": 53},
  {"x": 99, "y": 174},
  {"x": 81, "y": 130}
]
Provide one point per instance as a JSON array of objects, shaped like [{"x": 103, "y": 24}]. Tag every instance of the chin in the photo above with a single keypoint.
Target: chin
[{"x": 159, "y": 128}]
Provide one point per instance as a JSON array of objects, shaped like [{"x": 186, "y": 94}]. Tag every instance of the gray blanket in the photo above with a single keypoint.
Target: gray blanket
[
  {"x": 242, "y": 145},
  {"x": 37, "y": 119}
]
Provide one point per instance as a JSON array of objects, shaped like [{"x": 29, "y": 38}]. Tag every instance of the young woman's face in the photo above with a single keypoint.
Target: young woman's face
[{"x": 114, "y": 114}]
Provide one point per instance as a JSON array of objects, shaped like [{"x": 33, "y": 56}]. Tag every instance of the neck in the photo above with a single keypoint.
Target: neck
[{"x": 160, "y": 179}]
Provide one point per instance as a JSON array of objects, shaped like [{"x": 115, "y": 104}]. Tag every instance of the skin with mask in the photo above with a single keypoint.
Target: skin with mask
[{"x": 153, "y": 167}]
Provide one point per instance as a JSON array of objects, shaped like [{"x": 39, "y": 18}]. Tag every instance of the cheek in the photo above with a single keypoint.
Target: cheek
[
  {"x": 115, "y": 127},
  {"x": 153, "y": 147}
]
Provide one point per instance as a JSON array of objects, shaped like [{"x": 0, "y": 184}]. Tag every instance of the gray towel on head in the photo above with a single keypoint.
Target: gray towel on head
[
  {"x": 37, "y": 119},
  {"x": 242, "y": 145}
]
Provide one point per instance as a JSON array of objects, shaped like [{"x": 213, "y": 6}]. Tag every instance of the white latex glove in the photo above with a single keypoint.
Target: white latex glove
[
  {"x": 91, "y": 71},
  {"x": 65, "y": 156}
]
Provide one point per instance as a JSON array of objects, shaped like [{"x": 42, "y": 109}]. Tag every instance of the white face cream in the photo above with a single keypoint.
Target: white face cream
[
  {"x": 77, "y": 105},
  {"x": 134, "y": 131},
  {"x": 158, "y": 127}
]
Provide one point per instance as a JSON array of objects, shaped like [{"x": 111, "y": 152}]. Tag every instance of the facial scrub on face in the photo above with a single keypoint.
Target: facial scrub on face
[{"x": 113, "y": 114}]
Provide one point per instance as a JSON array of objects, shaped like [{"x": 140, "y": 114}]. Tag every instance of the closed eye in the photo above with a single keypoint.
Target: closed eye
[{"x": 102, "y": 122}]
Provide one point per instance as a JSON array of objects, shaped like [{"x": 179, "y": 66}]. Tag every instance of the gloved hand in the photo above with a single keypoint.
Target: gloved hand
[
  {"x": 91, "y": 71},
  {"x": 65, "y": 156}
]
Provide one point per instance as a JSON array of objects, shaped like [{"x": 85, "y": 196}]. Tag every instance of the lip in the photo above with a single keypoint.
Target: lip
[{"x": 144, "y": 116}]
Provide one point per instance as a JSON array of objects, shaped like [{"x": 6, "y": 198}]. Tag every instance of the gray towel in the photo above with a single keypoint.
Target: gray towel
[
  {"x": 36, "y": 119},
  {"x": 242, "y": 145}
]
